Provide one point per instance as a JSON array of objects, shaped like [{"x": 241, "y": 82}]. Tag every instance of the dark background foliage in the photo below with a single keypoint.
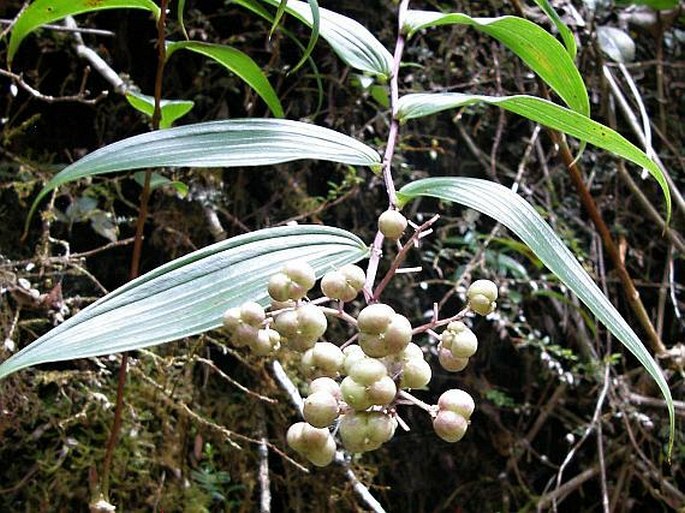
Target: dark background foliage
[{"x": 534, "y": 378}]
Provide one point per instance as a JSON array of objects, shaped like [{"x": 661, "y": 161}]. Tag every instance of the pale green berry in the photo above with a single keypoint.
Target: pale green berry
[
  {"x": 398, "y": 334},
  {"x": 451, "y": 363},
  {"x": 482, "y": 295},
  {"x": 244, "y": 335},
  {"x": 373, "y": 345},
  {"x": 294, "y": 436},
  {"x": 232, "y": 319},
  {"x": 367, "y": 371},
  {"x": 334, "y": 286},
  {"x": 312, "y": 321},
  {"x": 320, "y": 409},
  {"x": 374, "y": 319},
  {"x": 392, "y": 224},
  {"x": 353, "y": 353},
  {"x": 252, "y": 313},
  {"x": 327, "y": 357},
  {"x": 355, "y": 394},
  {"x": 355, "y": 276},
  {"x": 301, "y": 273},
  {"x": 287, "y": 323},
  {"x": 365, "y": 431},
  {"x": 458, "y": 401},
  {"x": 266, "y": 341},
  {"x": 382, "y": 392},
  {"x": 416, "y": 373},
  {"x": 412, "y": 351},
  {"x": 325, "y": 384},
  {"x": 450, "y": 426},
  {"x": 279, "y": 287},
  {"x": 323, "y": 456},
  {"x": 459, "y": 339}
]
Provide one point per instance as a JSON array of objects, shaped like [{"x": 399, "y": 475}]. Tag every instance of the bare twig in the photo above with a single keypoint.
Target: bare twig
[
  {"x": 60, "y": 28},
  {"x": 80, "y": 97}
]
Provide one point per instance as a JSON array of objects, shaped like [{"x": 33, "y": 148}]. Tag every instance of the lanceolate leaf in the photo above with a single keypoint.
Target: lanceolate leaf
[
  {"x": 533, "y": 44},
  {"x": 42, "y": 12},
  {"x": 229, "y": 143},
  {"x": 564, "y": 31},
  {"x": 543, "y": 112},
  {"x": 171, "y": 109},
  {"x": 353, "y": 43},
  {"x": 236, "y": 62},
  {"x": 189, "y": 295},
  {"x": 521, "y": 218}
]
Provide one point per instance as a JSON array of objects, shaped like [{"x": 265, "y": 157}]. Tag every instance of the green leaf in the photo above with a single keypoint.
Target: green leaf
[
  {"x": 180, "y": 8},
  {"x": 564, "y": 31},
  {"x": 228, "y": 143},
  {"x": 189, "y": 295},
  {"x": 42, "y": 12},
  {"x": 533, "y": 44},
  {"x": 236, "y": 62},
  {"x": 314, "y": 37},
  {"x": 257, "y": 8},
  {"x": 157, "y": 181},
  {"x": 543, "y": 112},
  {"x": 353, "y": 43},
  {"x": 171, "y": 109},
  {"x": 520, "y": 217}
]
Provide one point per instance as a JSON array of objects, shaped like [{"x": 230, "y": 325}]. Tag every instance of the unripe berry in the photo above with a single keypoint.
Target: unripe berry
[
  {"x": 355, "y": 394},
  {"x": 353, "y": 354},
  {"x": 459, "y": 339},
  {"x": 367, "y": 371},
  {"x": 374, "y": 319},
  {"x": 323, "y": 456},
  {"x": 482, "y": 295},
  {"x": 266, "y": 341},
  {"x": 458, "y": 401},
  {"x": 252, "y": 313},
  {"x": 279, "y": 287},
  {"x": 354, "y": 275},
  {"x": 392, "y": 224},
  {"x": 320, "y": 409},
  {"x": 244, "y": 335},
  {"x": 232, "y": 319},
  {"x": 366, "y": 431},
  {"x": 325, "y": 384},
  {"x": 312, "y": 321},
  {"x": 449, "y": 362},
  {"x": 450, "y": 426},
  {"x": 327, "y": 357},
  {"x": 382, "y": 392},
  {"x": 415, "y": 374},
  {"x": 334, "y": 286},
  {"x": 398, "y": 334},
  {"x": 302, "y": 273}
]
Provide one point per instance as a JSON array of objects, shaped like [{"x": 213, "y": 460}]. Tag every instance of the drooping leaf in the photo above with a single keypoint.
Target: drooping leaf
[
  {"x": 42, "y": 12},
  {"x": 228, "y": 143},
  {"x": 353, "y": 43},
  {"x": 533, "y": 44},
  {"x": 236, "y": 62},
  {"x": 543, "y": 112},
  {"x": 520, "y": 217},
  {"x": 314, "y": 37},
  {"x": 171, "y": 109},
  {"x": 180, "y": 9},
  {"x": 564, "y": 31},
  {"x": 258, "y": 9},
  {"x": 189, "y": 295}
]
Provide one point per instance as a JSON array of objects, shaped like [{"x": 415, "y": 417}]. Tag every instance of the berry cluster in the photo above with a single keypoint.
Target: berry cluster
[{"x": 355, "y": 387}]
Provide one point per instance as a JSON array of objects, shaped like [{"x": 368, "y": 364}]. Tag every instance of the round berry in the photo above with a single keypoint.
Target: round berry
[
  {"x": 367, "y": 371},
  {"x": 325, "y": 384},
  {"x": 374, "y": 319},
  {"x": 355, "y": 394},
  {"x": 450, "y": 426},
  {"x": 320, "y": 409},
  {"x": 415, "y": 374},
  {"x": 449, "y": 362},
  {"x": 482, "y": 295},
  {"x": 459, "y": 339},
  {"x": 392, "y": 224},
  {"x": 458, "y": 401}
]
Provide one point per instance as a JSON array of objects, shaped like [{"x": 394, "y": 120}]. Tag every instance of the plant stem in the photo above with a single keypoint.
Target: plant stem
[
  {"x": 135, "y": 258},
  {"x": 376, "y": 248}
]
